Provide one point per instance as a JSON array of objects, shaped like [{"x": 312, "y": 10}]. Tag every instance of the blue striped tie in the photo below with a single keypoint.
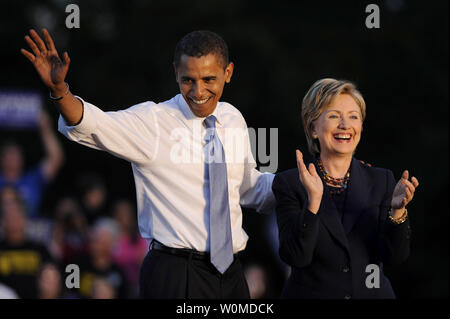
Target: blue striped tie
[{"x": 219, "y": 214}]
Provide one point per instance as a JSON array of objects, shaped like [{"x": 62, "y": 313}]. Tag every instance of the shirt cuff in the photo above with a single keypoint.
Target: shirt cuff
[{"x": 87, "y": 124}]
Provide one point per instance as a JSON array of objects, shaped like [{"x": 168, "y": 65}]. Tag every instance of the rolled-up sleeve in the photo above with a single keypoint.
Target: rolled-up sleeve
[
  {"x": 256, "y": 191},
  {"x": 86, "y": 126},
  {"x": 130, "y": 134}
]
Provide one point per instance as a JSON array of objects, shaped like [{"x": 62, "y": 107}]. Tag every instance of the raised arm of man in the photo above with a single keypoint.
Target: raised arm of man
[{"x": 127, "y": 134}]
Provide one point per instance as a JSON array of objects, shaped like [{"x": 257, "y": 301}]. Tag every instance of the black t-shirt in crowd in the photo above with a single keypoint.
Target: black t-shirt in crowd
[
  {"x": 113, "y": 274},
  {"x": 20, "y": 265}
]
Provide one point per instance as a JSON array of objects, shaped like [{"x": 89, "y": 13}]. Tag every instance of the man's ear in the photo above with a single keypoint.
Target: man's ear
[{"x": 229, "y": 72}]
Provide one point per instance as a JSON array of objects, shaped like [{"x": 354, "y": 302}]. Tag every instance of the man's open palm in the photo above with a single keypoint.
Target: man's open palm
[{"x": 46, "y": 60}]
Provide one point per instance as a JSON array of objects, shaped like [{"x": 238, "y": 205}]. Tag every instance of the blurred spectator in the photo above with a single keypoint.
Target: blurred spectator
[
  {"x": 256, "y": 280},
  {"x": 93, "y": 195},
  {"x": 70, "y": 234},
  {"x": 130, "y": 248},
  {"x": 20, "y": 258},
  {"x": 8, "y": 195},
  {"x": 32, "y": 182},
  {"x": 102, "y": 288},
  {"x": 38, "y": 229},
  {"x": 99, "y": 262},
  {"x": 49, "y": 282}
]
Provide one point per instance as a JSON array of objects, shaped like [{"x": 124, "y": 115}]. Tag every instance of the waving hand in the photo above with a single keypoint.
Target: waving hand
[
  {"x": 52, "y": 71},
  {"x": 46, "y": 60}
]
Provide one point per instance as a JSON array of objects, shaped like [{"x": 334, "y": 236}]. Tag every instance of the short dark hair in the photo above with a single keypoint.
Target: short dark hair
[{"x": 201, "y": 43}]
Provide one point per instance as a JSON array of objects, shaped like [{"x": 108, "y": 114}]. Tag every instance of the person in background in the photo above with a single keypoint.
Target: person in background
[
  {"x": 20, "y": 258},
  {"x": 49, "y": 282},
  {"x": 338, "y": 216},
  {"x": 257, "y": 280},
  {"x": 31, "y": 183},
  {"x": 70, "y": 232},
  {"x": 130, "y": 248},
  {"x": 99, "y": 262},
  {"x": 93, "y": 196},
  {"x": 9, "y": 196},
  {"x": 102, "y": 288}
]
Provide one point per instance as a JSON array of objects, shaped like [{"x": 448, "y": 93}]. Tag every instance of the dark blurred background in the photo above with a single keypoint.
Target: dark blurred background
[{"x": 122, "y": 55}]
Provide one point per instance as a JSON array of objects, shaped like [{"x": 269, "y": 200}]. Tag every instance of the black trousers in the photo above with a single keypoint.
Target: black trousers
[{"x": 167, "y": 276}]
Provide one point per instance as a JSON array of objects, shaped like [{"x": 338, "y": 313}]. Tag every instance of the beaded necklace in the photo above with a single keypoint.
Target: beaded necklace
[{"x": 338, "y": 184}]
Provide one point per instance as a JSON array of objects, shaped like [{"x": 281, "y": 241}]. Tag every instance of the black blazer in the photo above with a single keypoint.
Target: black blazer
[{"x": 329, "y": 256}]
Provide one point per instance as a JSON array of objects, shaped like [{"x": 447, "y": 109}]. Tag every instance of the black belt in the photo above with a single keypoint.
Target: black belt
[
  {"x": 184, "y": 252},
  {"x": 180, "y": 251}
]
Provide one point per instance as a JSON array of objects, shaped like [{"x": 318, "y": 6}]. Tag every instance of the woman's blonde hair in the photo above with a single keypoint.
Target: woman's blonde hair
[{"x": 318, "y": 98}]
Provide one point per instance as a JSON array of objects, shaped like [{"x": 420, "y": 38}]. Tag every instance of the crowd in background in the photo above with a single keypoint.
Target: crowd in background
[{"x": 88, "y": 229}]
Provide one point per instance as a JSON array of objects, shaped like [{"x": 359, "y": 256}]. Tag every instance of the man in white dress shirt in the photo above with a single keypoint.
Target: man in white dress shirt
[{"x": 165, "y": 144}]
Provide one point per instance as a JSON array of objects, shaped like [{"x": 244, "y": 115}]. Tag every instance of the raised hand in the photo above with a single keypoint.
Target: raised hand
[
  {"x": 311, "y": 181},
  {"x": 404, "y": 191},
  {"x": 46, "y": 60},
  {"x": 53, "y": 71}
]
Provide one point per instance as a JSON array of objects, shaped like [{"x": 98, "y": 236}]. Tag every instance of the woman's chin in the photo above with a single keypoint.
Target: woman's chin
[{"x": 341, "y": 152}]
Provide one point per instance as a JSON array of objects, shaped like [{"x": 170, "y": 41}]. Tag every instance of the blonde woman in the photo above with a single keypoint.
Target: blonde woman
[{"x": 338, "y": 217}]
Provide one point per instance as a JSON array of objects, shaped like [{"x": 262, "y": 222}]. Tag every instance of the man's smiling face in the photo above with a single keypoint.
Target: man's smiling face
[{"x": 201, "y": 81}]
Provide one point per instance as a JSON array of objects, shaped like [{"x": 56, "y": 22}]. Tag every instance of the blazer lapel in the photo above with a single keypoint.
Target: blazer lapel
[
  {"x": 357, "y": 195},
  {"x": 329, "y": 216}
]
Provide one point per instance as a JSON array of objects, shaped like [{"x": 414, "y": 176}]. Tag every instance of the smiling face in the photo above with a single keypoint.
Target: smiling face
[
  {"x": 339, "y": 127},
  {"x": 201, "y": 81}
]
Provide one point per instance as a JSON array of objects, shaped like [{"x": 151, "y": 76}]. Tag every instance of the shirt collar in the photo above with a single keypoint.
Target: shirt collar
[{"x": 185, "y": 109}]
